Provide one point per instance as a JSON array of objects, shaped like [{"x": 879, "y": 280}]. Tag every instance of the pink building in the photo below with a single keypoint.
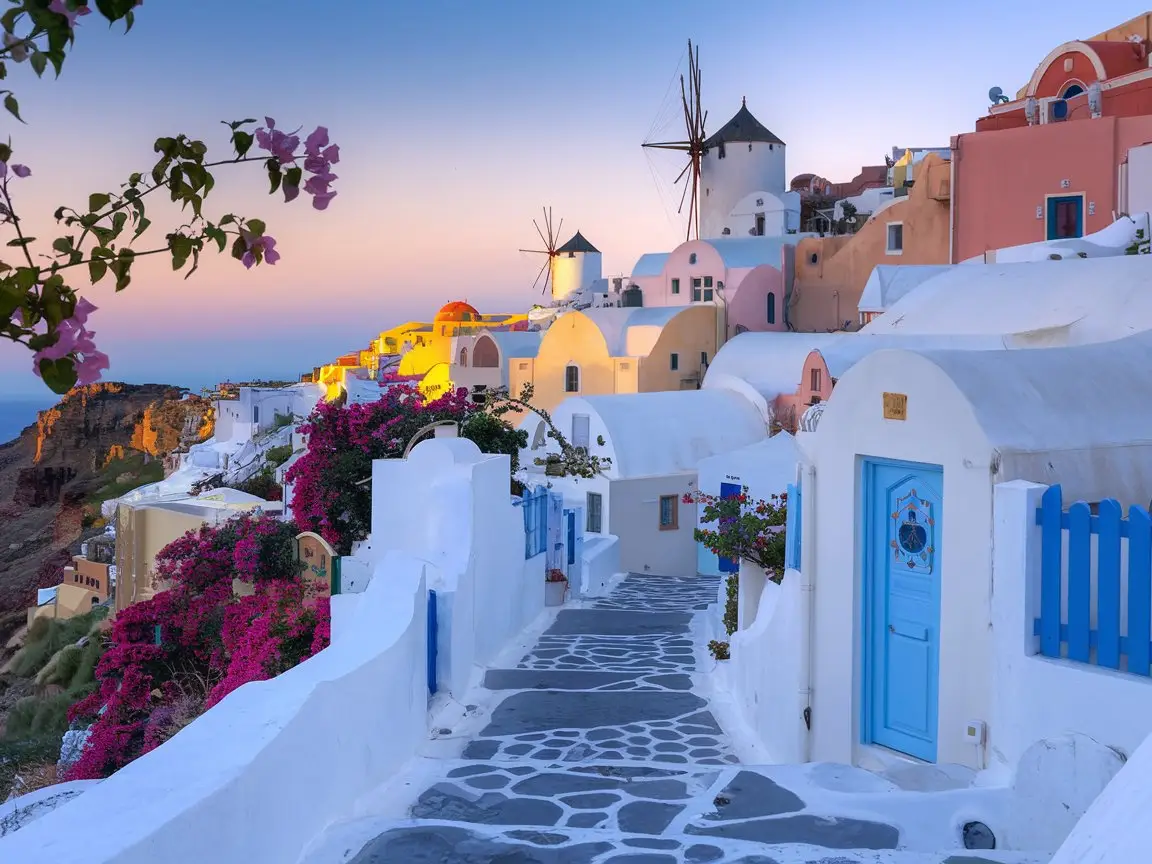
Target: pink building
[
  {"x": 744, "y": 275},
  {"x": 1052, "y": 163}
]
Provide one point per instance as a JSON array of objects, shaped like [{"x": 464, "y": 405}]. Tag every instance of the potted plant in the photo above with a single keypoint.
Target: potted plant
[{"x": 555, "y": 587}]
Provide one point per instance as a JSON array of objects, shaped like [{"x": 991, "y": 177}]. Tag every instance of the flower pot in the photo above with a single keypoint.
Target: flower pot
[{"x": 554, "y": 593}]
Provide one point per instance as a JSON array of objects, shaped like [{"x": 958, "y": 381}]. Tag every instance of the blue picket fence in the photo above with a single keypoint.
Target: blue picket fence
[
  {"x": 792, "y": 529},
  {"x": 535, "y": 506},
  {"x": 1106, "y": 643}
]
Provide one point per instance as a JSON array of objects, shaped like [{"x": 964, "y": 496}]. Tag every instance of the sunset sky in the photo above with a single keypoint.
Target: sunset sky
[{"x": 457, "y": 121}]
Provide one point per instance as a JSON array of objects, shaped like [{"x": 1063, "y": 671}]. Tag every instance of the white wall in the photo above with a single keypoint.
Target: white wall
[
  {"x": 744, "y": 169},
  {"x": 261, "y": 774},
  {"x": 1140, "y": 180},
  {"x": 571, "y": 276},
  {"x": 1116, "y": 829},
  {"x": 766, "y": 688},
  {"x": 635, "y": 519},
  {"x": 1039, "y": 697},
  {"x": 941, "y": 429},
  {"x": 599, "y": 563},
  {"x": 781, "y": 211},
  {"x": 450, "y": 505}
]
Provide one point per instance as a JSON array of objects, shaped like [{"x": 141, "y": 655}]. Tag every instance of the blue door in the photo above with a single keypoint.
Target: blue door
[
  {"x": 1065, "y": 217},
  {"x": 729, "y": 490},
  {"x": 571, "y": 514},
  {"x": 904, "y": 517}
]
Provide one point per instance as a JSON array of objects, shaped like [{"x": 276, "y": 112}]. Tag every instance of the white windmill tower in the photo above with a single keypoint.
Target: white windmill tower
[{"x": 577, "y": 265}]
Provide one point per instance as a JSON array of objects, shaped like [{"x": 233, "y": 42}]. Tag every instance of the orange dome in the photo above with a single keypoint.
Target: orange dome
[{"x": 457, "y": 310}]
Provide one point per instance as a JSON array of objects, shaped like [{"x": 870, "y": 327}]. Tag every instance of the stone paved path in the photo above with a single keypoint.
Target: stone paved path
[{"x": 601, "y": 751}]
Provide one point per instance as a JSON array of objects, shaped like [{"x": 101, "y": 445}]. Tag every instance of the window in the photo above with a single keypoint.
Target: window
[
  {"x": 816, "y": 379},
  {"x": 696, "y": 288},
  {"x": 675, "y": 286},
  {"x": 895, "y": 238},
  {"x": 580, "y": 430},
  {"x": 720, "y": 154},
  {"x": 707, "y": 294},
  {"x": 595, "y": 508},
  {"x": 463, "y": 356},
  {"x": 707, "y": 281},
  {"x": 703, "y": 358},
  {"x": 255, "y": 413},
  {"x": 675, "y": 362},
  {"x": 760, "y": 225},
  {"x": 669, "y": 512},
  {"x": 572, "y": 379},
  {"x": 692, "y": 258},
  {"x": 771, "y": 307}
]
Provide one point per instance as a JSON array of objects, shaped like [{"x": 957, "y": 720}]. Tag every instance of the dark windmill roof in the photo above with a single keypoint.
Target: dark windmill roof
[
  {"x": 579, "y": 243},
  {"x": 742, "y": 127}
]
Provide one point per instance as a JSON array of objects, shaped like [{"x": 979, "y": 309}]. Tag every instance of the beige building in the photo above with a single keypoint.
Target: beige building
[
  {"x": 480, "y": 361},
  {"x": 85, "y": 583},
  {"x": 143, "y": 529},
  {"x": 619, "y": 350}
]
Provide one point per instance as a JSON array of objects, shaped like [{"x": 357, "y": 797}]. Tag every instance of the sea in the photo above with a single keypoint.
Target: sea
[{"x": 18, "y": 412}]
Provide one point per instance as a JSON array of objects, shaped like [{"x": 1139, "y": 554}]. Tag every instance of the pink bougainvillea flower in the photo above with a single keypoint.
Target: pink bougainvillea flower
[
  {"x": 60, "y": 7},
  {"x": 19, "y": 47},
  {"x": 21, "y": 170},
  {"x": 259, "y": 248},
  {"x": 75, "y": 340},
  {"x": 281, "y": 145}
]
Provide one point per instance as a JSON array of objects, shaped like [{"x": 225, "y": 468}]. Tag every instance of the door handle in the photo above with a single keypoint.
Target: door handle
[{"x": 891, "y": 628}]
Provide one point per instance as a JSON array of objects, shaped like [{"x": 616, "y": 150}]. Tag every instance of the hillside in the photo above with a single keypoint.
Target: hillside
[{"x": 99, "y": 441}]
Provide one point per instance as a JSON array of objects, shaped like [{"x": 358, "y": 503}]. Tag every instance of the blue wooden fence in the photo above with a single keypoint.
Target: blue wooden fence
[
  {"x": 1076, "y": 638},
  {"x": 432, "y": 637},
  {"x": 535, "y": 505},
  {"x": 792, "y": 529}
]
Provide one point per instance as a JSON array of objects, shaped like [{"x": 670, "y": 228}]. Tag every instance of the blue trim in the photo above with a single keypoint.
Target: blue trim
[
  {"x": 432, "y": 635},
  {"x": 867, "y": 532}
]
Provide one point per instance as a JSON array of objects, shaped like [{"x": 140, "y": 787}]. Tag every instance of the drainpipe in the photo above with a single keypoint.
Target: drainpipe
[
  {"x": 721, "y": 322},
  {"x": 807, "y": 589},
  {"x": 952, "y": 198}
]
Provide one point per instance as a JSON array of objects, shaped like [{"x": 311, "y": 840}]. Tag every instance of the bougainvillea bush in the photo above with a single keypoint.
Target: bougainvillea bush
[
  {"x": 328, "y": 492},
  {"x": 744, "y": 529},
  {"x": 39, "y": 304},
  {"x": 175, "y": 655}
]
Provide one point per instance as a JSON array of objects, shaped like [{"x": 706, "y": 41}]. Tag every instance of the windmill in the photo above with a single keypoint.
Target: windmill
[
  {"x": 693, "y": 144},
  {"x": 548, "y": 239}
]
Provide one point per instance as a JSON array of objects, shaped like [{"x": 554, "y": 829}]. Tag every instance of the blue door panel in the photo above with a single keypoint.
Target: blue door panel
[
  {"x": 730, "y": 490},
  {"x": 902, "y": 616}
]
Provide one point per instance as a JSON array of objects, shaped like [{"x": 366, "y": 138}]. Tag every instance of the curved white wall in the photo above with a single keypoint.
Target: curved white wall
[
  {"x": 742, "y": 171},
  {"x": 572, "y": 275}
]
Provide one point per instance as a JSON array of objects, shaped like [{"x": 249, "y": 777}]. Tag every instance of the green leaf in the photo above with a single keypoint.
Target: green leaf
[
  {"x": 59, "y": 375},
  {"x": 165, "y": 146},
  {"x": 243, "y": 143},
  {"x": 13, "y": 107},
  {"x": 293, "y": 176},
  {"x": 98, "y": 201},
  {"x": 63, "y": 245},
  {"x": 39, "y": 63},
  {"x": 8, "y": 19},
  {"x": 255, "y": 226},
  {"x": 11, "y": 296},
  {"x": 195, "y": 263},
  {"x": 216, "y": 235},
  {"x": 26, "y": 277},
  {"x": 274, "y": 176},
  {"x": 5, "y": 153},
  {"x": 119, "y": 220},
  {"x": 239, "y": 247},
  {"x": 97, "y": 268},
  {"x": 3, "y": 70},
  {"x": 21, "y": 241},
  {"x": 141, "y": 226}
]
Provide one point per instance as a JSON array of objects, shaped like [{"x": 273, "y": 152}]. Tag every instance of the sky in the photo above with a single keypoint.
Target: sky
[{"x": 458, "y": 121}]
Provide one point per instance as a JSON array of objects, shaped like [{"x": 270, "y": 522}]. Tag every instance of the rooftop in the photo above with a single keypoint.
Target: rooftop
[{"x": 742, "y": 127}]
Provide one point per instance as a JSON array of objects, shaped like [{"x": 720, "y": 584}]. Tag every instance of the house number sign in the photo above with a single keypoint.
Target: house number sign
[{"x": 895, "y": 406}]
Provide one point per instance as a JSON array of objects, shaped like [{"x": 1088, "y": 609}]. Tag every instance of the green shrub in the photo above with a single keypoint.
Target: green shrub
[
  {"x": 277, "y": 456},
  {"x": 46, "y": 636},
  {"x": 34, "y": 716}
]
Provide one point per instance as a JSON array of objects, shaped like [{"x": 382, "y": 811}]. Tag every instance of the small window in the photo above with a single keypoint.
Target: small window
[
  {"x": 581, "y": 431},
  {"x": 675, "y": 286},
  {"x": 255, "y": 413},
  {"x": 817, "y": 379},
  {"x": 812, "y": 258},
  {"x": 572, "y": 379},
  {"x": 895, "y": 238},
  {"x": 692, "y": 258},
  {"x": 707, "y": 294},
  {"x": 696, "y": 295},
  {"x": 707, "y": 281},
  {"x": 595, "y": 508},
  {"x": 571, "y": 254},
  {"x": 669, "y": 512},
  {"x": 771, "y": 307},
  {"x": 703, "y": 358},
  {"x": 696, "y": 282},
  {"x": 463, "y": 356},
  {"x": 675, "y": 362},
  {"x": 523, "y": 367},
  {"x": 720, "y": 154}
]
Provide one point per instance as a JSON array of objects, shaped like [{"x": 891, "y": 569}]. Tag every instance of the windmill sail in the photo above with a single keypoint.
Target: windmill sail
[{"x": 548, "y": 239}]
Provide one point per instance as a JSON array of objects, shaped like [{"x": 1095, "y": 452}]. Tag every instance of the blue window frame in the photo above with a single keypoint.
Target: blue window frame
[{"x": 1065, "y": 217}]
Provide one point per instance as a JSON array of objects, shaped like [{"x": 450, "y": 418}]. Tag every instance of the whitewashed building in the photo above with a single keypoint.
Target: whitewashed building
[{"x": 655, "y": 442}]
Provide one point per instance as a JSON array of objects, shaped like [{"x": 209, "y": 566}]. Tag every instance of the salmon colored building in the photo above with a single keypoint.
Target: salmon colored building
[
  {"x": 831, "y": 272},
  {"x": 1051, "y": 163}
]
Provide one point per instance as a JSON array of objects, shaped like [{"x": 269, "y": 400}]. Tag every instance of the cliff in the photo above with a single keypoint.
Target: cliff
[{"x": 98, "y": 442}]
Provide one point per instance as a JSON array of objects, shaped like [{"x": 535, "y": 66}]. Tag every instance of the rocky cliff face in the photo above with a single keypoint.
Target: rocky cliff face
[{"x": 96, "y": 440}]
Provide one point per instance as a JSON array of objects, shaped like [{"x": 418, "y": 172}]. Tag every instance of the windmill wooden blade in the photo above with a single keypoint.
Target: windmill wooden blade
[
  {"x": 547, "y": 261},
  {"x": 547, "y": 241}
]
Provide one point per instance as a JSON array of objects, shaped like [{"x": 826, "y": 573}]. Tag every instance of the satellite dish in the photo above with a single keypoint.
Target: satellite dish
[{"x": 996, "y": 96}]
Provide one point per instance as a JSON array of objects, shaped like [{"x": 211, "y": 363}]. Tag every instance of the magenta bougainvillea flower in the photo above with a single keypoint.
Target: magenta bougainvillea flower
[{"x": 259, "y": 248}]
